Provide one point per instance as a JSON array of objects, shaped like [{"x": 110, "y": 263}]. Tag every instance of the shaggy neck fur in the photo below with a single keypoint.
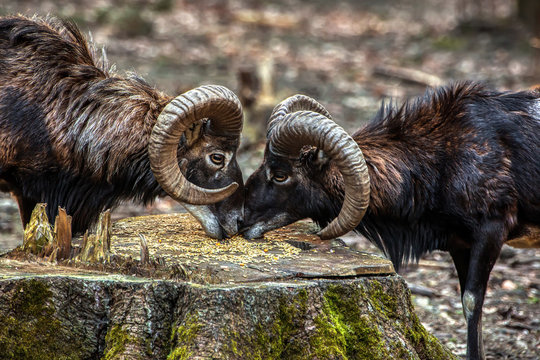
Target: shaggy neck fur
[
  {"x": 88, "y": 127},
  {"x": 422, "y": 155}
]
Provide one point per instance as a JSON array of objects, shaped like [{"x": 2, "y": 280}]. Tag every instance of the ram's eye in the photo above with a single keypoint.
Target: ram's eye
[
  {"x": 280, "y": 177},
  {"x": 217, "y": 159}
]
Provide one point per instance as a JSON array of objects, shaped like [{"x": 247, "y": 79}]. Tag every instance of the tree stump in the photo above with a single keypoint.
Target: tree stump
[{"x": 166, "y": 291}]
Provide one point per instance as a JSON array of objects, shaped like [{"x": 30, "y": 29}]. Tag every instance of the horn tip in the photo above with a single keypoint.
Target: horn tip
[
  {"x": 325, "y": 235},
  {"x": 224, "y": 193}
]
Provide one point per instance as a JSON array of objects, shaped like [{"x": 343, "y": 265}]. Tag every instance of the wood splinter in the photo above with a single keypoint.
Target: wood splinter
[
  {"x": 42, "y": 240},
  {"x": 97, "y": 247},
  {"x": 145, "y": 255},
  {"x": 38, "y": 234},
  {"x": 62, "y": 230}
]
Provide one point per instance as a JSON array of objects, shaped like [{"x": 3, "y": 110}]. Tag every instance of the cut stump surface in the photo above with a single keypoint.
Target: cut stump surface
[{"x": 287, "y": 296}]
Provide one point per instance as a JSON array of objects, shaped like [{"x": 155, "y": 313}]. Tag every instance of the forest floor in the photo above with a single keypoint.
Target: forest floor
[{"x": 349, "y": 55}]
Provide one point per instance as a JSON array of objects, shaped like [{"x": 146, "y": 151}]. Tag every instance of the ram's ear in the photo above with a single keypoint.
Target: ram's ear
[
  {"x": 320, "y": 159},
  {"x": 193, "y": 133}
]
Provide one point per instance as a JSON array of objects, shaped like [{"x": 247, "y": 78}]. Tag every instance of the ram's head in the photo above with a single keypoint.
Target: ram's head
[
  {"x": 312, "y": 169},
  {"x": 193, "y": 142}
]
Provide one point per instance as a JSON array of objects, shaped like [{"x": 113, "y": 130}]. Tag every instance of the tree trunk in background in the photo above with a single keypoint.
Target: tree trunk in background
[
  {"x": 290, "y": 296},
  {"x": 529, "y": 14}
]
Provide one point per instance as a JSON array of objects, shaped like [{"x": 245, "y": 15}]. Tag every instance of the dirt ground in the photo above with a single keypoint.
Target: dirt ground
[{"x": 349, "y": 55}]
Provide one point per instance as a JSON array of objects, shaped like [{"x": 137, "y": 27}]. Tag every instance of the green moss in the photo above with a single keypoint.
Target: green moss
[
  {"x": 276, "y": 343},
  {"x": 234, "y": 347},
  {"x": 343, "y": 331},
  {"x": 116, "y": 341},
  {"x": 30, "y": 330},
  {"x": 386, "y": 304},
  {"x": 427, "y": 346},
  {"x": 350, "y": 325},
  {"x": 275, "y": 340},
  {"x": 182, "y": 338}
]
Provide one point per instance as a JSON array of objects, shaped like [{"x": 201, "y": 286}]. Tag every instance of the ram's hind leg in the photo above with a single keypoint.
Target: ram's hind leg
[
  {"x": 462, "y": 258},
  {"x": 484, "y": 251}
]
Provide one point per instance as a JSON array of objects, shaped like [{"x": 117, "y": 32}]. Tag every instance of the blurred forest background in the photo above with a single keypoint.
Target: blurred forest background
[{"x": 349, "y": 55}]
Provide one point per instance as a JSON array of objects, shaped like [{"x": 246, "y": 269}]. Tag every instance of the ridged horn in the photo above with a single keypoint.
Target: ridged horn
[
  {"x": 214, "y": 102},
  {"x": 294, "y": 103},
  {"x": 302, "y": 128}
]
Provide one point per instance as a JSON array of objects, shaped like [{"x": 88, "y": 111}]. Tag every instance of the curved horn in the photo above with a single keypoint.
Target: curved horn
[
  {"x": 224, "y": 110},
  {"x": 309, "y": 128},
  {"x": 291, "y": 104}
]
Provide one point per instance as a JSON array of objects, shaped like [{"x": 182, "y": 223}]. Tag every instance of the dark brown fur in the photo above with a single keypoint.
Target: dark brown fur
[{"x": 72, "y": 132}]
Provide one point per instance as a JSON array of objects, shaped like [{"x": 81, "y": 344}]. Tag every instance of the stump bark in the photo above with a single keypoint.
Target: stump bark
[{"x": 288, "y": 296}]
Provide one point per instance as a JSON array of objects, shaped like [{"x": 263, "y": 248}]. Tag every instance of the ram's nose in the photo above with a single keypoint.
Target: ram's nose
[
  {"x": 242, "y": 226},
  {"x": 231, "y": 225},
  {"x": 240, "y": 223}
]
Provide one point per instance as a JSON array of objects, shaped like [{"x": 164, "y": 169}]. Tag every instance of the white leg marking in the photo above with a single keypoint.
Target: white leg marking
[{"x": 468, "y": 304}]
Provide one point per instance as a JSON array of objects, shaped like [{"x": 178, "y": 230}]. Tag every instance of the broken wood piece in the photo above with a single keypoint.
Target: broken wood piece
[
  {"x": 38, "y": 234},
  {"x": 421, "y": 290},
  {"x": 62, "y": 230},
  {"x": 96, "y": 248},
  {"x": 41, "y": 239},
  {"x": 104, "y": 230},
  {"x": 145, "y": 255},
  {"x": 54, "y": 255},
  {"x": 412, "y": 75}
]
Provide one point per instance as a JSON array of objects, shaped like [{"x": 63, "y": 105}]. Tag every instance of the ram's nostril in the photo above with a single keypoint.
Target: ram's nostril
[{"x": 240, "y": 223}]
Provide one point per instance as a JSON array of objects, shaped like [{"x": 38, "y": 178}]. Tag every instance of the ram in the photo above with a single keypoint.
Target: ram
[
  {"x": 456, "y": 170},
  {"x": 75, "y": 134}
]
